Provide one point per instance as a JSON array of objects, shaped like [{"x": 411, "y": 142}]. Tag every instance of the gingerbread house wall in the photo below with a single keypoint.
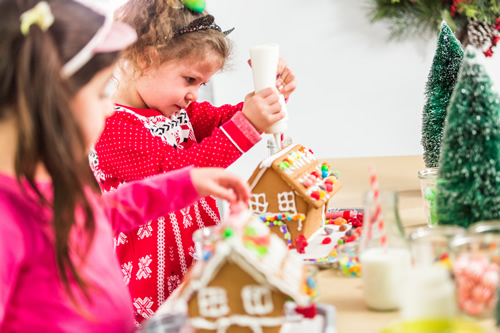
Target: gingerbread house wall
[
  {"x": 271, "y": 184},
  {"x": 232, "y": 278}
]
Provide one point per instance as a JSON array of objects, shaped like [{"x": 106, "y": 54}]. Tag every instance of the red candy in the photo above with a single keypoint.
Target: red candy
[
  {"x": 301, "y": 243},
  {"x": 326, "y": 240},
  {"x": 315, "y": 195}
]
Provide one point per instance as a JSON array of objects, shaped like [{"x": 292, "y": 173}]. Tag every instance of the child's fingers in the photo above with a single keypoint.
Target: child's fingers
[
  {"x": 238, "y": 187},
  {"x": 281, "y": 66},
  {"x": 275, "y": 117},
  {"x": 224, "y": 193}
]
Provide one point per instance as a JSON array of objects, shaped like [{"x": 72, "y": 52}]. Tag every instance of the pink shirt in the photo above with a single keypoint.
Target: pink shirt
[{"x": 32, "y": 298}]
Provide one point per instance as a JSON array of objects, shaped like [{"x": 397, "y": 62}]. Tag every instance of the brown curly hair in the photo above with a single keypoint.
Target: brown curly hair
[{"x": 155, "y": 22}]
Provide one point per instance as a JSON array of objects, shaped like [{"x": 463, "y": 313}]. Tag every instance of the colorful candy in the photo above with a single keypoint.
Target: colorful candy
[
  {"x": 350, "y": 266},
  {"x": 477, "y": 281}
]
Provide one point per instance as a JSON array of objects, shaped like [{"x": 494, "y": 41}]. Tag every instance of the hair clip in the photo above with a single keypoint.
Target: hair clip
[
  {"x": 40, "y": 15},
  {"x": 197, "y": 6},
  {"x": 202, "y": 23}
]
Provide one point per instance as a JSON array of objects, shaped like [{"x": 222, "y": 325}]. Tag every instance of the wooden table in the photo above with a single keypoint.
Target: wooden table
[{"x": 397, "y": 173}]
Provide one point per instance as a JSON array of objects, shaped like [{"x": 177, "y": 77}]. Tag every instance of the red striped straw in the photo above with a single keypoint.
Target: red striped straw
[{"x": 377, "y": 214}]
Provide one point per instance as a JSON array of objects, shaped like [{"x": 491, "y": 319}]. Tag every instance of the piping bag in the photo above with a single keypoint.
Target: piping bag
[{"x": 265, "y": 60}]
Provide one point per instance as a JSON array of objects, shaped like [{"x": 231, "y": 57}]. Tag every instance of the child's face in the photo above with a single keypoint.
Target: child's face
[
  {"x": 174, "y": 84},
  {"x": 92, "y": 105}
]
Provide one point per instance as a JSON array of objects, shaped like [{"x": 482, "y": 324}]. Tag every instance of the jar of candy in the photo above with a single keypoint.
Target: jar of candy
[
  {"x": 428, "y": 178},
  {"x": 384, "y": 254},
  {"x": 431, "y": 246},
  {"x": 475, "y": 260},
  {"x": 348, "y": 259},
  {"x": 272, "y": 148},
  {"x": 491, "y": 226}
]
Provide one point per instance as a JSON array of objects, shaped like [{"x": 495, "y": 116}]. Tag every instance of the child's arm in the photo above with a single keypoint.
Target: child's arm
[
  {"x": 12, "y": 254},
  {"x": 128, "y": 150},
  {"x": 160, "y": 195},
  {"x": 205, "y": 117}
]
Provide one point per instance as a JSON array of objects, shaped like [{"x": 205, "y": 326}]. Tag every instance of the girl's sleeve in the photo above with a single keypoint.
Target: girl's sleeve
[
  {"x": 150, "y": 198},
  {"x": 128, "y": 151},
  {"x": 12, "y": 252},
  {"x": 205, "y": 117}
]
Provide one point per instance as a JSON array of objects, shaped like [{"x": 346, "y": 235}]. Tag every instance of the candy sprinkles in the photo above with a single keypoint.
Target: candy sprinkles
[{"x": 280, "y": 221}]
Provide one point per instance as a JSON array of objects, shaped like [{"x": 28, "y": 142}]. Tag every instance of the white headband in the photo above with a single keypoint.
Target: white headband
[{"x": 88, "y": 51}]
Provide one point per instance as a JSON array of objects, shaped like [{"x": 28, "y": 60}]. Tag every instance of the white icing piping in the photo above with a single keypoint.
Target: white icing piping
[{"x": 221, "y": 324}]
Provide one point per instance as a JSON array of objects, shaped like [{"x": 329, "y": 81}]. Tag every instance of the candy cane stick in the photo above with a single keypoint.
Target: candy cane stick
[{"x": 376, "y": 217}]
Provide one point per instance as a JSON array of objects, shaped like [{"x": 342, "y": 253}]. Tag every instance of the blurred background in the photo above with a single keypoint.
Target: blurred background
[{"x": 358, "y": 93}]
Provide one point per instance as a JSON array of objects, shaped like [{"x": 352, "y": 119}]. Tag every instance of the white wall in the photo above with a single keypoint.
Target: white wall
[{"x": 357, "y": 95}]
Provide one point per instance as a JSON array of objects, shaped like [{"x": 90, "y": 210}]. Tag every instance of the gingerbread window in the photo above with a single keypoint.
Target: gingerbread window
[
  {"x": 258, "y": 203},
  {"x": 212, "y": 302},
  {"x": 257, "y": 300},
  {"x": 286, "y": 202}
]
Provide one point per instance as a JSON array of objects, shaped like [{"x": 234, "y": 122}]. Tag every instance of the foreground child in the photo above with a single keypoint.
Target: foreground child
[{"x": 58, "y": 271}]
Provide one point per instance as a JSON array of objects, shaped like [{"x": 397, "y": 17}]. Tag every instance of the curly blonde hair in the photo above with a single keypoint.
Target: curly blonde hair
[{"x": 155, "y": 21}]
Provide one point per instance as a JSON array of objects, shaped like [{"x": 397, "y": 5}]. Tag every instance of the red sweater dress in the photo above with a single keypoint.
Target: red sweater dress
[{"x": 139, "y": 143}]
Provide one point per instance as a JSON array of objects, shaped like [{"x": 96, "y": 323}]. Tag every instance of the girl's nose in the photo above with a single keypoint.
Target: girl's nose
[{"x": 192, "y": 95}]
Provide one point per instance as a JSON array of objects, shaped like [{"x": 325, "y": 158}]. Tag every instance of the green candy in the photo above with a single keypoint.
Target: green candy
[{"x": 430, "y": 194}]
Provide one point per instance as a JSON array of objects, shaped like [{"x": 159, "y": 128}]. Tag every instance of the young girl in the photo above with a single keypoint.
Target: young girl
[
  {"x": 158, "y": 126},
  {"x": 58, "y": 272}
]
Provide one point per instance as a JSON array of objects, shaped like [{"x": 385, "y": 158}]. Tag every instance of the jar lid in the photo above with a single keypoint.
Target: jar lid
[
  {"x": 428, "y": 173},
  {"x": 492, "y": 226}
]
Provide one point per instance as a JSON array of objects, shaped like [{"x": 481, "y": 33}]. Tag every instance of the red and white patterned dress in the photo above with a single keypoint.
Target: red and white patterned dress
[{"x": 139, "y": 143}]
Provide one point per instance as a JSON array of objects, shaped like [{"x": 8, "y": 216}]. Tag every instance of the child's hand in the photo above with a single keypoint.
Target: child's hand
[
  {"x": 285, "y": 81},
  {"x": 220, "y": 183},
  {"x": 263, "y": 109},
  {"x": 285, "y": 78}
]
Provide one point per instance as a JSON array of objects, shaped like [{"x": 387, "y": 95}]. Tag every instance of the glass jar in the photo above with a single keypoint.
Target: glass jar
[
  {"x": 491, "y": 226},
  {"x": 430, "y": 246},
  {"x": 384, "y": 255},
  {"x": 272, "y": 148},
  {"x": 475, "y": 259},
  {"x": 428, "y": 179}
]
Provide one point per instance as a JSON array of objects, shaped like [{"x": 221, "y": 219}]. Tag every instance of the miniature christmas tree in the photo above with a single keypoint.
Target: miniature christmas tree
[
  {"x": 440, "y": 84},
  {"x": 468, "y": 188}
]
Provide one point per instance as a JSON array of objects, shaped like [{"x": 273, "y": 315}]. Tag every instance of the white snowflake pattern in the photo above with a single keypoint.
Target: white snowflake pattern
[
  {"x": 127, "y": 272},
  {"x": 172, "y": 255},
  {"x": 173, "y": 282},
  {"x": 144, "y": 270},
  {"x": 121, "y": 239},
  {"x": 145, "y": 231},
  {"x": 191, "y": 251},
  {"x": 143, "y": 306},
  {"x": 187, "y": 220}
]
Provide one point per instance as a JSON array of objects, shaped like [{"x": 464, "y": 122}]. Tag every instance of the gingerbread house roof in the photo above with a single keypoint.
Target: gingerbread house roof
[
  {"x": 298, "y": 167},
  {"x": 278, "y": 267}
]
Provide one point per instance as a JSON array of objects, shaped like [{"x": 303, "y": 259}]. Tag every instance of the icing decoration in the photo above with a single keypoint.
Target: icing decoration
[
  {"x": 258, "y": 203},
  {"x": 197, "y": 6},
  {"x": 286, "y": 202},
  {"x": 257, "y": 300},
  {"x": 212, "y": 302}
]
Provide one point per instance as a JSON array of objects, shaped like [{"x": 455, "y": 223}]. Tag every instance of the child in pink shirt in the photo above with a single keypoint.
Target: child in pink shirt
[
  {"x": 158, "y": 126},
  {"x": 58, "y": 271}
]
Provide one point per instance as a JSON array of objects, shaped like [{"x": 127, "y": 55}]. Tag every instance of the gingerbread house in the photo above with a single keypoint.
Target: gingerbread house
[
  {"x": 291, "y": 191},
  {"x": 244, "y": 283}
]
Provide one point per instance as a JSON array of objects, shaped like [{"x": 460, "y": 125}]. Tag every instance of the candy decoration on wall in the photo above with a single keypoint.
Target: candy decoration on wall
[{"x": 197, "y": 6}]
